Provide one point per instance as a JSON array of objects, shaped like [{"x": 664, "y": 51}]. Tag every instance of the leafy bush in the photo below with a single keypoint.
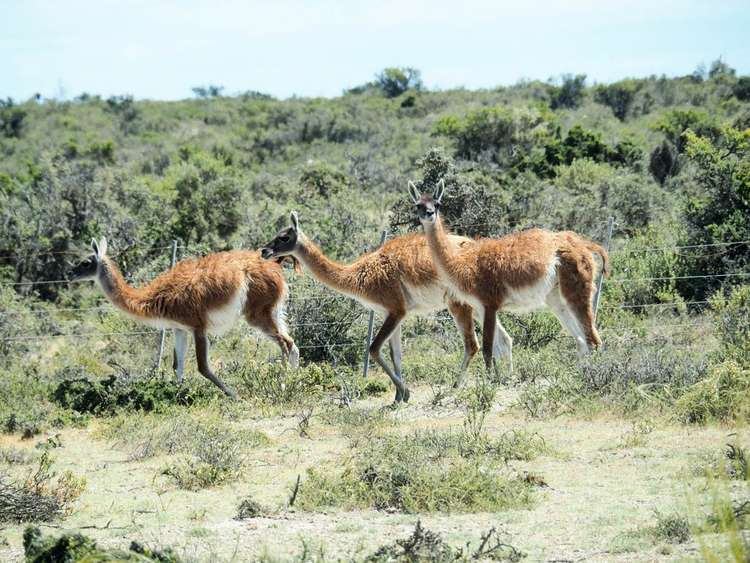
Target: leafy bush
[
  {"x": 11, "y": 119},
  {"x": 663, "y": 162},
  {"x": 618, "y": 96},
  {"x": 742, "y": 88},
  {"x": 718, "y": 212},
  {"x": 394, "y": 81},
  {"x": 425, "y": 472},
  {"x": 570, "y": 93},
  {"x": 41, "y": 496},
  {"x": 77, "y": 547},
  {"x": 722, "y": 396},
  {"x": 83, "y": 394},
  {"x": 732, "y": 314}
]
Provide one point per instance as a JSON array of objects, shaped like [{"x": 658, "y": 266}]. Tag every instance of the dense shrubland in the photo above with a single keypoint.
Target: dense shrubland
[{"x": 668, "y": 158}]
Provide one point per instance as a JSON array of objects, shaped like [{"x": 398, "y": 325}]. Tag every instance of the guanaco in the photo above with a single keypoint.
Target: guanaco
[
  {"x": 396, "y": 279},
  {"x": 201, "y": 296},
  {"x": 519, "y": 272}
]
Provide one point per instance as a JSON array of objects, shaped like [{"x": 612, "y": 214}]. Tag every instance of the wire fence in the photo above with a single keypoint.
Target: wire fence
[{"x": 66, "y": 320}]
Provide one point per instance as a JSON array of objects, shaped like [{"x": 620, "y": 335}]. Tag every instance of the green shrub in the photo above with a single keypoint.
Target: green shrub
[
  {"x": 722, "y": 396},
  {"x": 570, "y": 93},
  {"x": 455, "y": 471},
  {"x": 618, "y": 96},
  {"x": 212, "y": 455},
  {"x": 77, "y": 547},
  {"x": 83, "y": 394},
  {"x": 732, "y": 314},
  {"x": 276, "y": 384},
  {"x": 394, "y": 81},
  {"x": 41, "y": 497}
]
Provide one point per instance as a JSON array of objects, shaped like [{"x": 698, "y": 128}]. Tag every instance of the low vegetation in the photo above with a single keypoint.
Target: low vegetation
[{"x": 661, "y": 409}]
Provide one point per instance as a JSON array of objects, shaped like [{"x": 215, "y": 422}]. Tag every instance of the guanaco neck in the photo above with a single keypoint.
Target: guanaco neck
[
  {"x": 325, "y": 270},
  {"x": 441, "y": 247},
  {"x": 117, "y": 290}
]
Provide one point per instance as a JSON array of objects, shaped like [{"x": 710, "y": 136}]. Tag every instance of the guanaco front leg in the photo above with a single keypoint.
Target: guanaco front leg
[
  {"x": 201, "y": 353},
  {"x": 390, "y": 324}
]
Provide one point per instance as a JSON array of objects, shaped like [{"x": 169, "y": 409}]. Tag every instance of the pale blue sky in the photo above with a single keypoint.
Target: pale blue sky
[{"x": 160, "y": 50}]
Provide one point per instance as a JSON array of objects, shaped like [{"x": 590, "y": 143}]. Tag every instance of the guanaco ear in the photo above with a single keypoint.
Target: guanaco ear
[
  {"x": 102, "y": 247},
  {"x": 439, "y": 190},
  {"x": 295, "y": 220},
  {"x": 94, "y": 246},
  {"x": 414, "y": 192}
]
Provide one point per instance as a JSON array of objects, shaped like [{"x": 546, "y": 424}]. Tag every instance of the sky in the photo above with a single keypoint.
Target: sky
[{"x": 161, "y": 49}]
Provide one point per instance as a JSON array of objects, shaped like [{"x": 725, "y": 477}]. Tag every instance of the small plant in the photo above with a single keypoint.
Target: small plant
[
  {"x": 427, "y": 471},
  {"x": 636, "y": 436},
  {"x": 77, "y": 547},
  {"x": 214, "y": 457},
  {"x": 249, "y": 508},
  {"x": 672, "y": 528},
  {"x": 425, "y": 545},
  {"x": 41, "y": 496}
]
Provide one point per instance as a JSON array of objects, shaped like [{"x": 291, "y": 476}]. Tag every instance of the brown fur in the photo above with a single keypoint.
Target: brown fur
[
  {"x": 186, "y": 293},
  {"x": 491, "y": 269},
  {"x": 380, "y": 278},
  {"x": 185, "y": 296}
]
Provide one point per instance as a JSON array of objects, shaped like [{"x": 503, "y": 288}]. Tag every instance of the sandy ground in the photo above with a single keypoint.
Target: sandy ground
[{"x": 599, "y": 493}]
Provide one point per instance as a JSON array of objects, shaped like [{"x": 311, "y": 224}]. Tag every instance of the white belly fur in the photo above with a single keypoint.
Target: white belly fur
[
  {"x": 534, "y": 296},
  {"x": 221, "y": 319}
]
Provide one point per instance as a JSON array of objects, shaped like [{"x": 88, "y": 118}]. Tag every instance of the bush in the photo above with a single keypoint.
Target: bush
[
  {"x": 427, "y": 472},
  {"x": 732, "y": 314},
  {"x": 212, "y": 455},
  {"x": 718, "y": 211},
  {"x": 722, "y": 396},
  {"x": 395, "y": 81},
  {"x": 672, "y": 528},
  {"x": 618, "y": 96},
  {"x": 83, "y": 394},
  {"x": 11, "y": 119},
  {"x": 570, "y": 93},
  {"x": 424, "y": 545},
  {"x": 41, "y": 496},
  {"x": 276, "y": 384},
  {"x": 742, "y": 88},
  {"x": 663, "y": 162},
  {"x": 77, "y": 547}
]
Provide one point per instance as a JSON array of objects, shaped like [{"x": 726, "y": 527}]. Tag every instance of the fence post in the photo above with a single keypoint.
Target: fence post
[
  {"x": 370, "y": 322},
  {"x": 600, "y": 281},
  {"x": 163, "y": 331}
]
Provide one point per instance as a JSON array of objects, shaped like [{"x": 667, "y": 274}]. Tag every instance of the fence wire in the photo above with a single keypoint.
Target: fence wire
[{"x": 325, "y": 294}]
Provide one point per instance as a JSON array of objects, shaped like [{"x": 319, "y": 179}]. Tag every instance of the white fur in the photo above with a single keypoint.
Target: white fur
[
  {"x": 532, "y": 297},
  {"x": 426, "y": 298},
  {"x": 221, "y": 319}
]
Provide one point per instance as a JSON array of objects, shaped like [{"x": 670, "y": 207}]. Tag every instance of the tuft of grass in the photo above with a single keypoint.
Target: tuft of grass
[
  {"x": 249, "y": 508},
  {"x": 77, "y": 547},
  {"x": 176, "y": 432},
  {"x": 41, "y": 497},
  {"x": 723, "y": 396},
  {"x": 427, "y": 471},
  {"x": 425, "y": 545},
  {"x": 672, "y": 528}
]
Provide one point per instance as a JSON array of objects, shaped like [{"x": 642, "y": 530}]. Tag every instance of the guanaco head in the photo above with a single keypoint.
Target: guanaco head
[
  {"x": 427, "y": 205},
  {"x": 88, "y": 268},
  {"x": 284, "y": 243}
]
